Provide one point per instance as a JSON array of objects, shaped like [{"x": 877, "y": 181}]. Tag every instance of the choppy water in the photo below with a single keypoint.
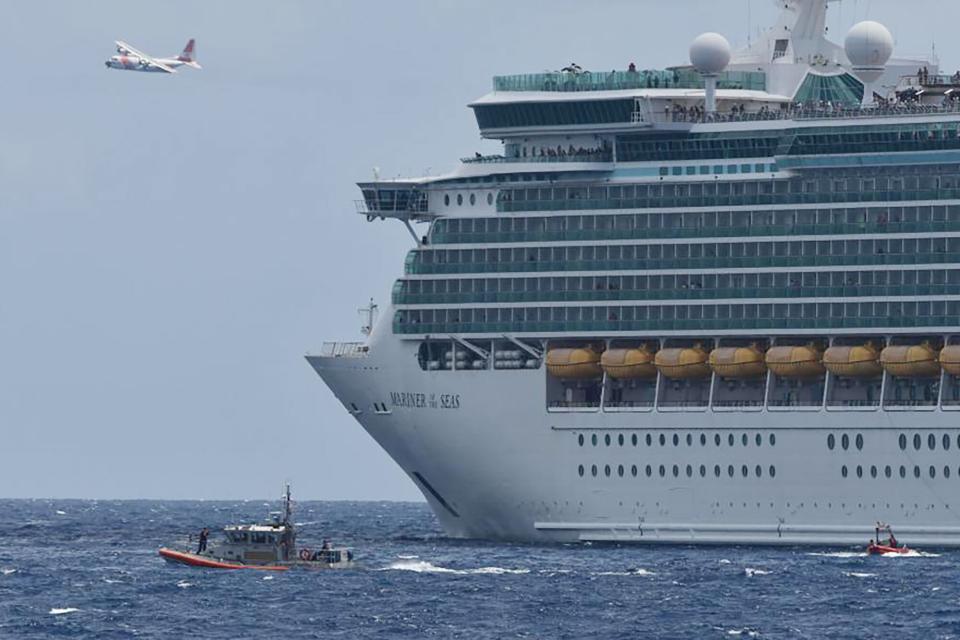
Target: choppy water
[{"x": 90, "y": 569}]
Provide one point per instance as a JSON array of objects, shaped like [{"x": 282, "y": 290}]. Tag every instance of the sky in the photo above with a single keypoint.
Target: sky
[{"x": 172, "y": 246}]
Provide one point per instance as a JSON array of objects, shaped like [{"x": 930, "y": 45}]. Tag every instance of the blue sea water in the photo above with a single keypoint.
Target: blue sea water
[{"x": 90, "y": 569}]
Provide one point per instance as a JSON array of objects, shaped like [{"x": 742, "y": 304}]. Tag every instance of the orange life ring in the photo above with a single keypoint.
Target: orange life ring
[{"x": 305, "y": 554}]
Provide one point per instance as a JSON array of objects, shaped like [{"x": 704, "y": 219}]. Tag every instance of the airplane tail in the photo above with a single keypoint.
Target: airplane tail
[{"x": 188, "y": 56}]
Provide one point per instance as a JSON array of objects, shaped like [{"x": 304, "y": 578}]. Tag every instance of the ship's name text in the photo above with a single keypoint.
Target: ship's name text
[{"x": 408, "y": 400}]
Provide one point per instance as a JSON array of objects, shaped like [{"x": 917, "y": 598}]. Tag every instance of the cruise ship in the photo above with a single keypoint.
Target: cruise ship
[{"x": 717, "y": 303}]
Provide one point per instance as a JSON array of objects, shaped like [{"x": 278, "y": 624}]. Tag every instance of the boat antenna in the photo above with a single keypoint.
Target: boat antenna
[{"x": 287, "y": 506}]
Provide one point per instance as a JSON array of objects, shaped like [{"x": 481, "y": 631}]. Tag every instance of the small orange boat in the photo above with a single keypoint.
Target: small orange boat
[
  {"x": 878, "y": 547},
  {"x": 194, "y": 560}
]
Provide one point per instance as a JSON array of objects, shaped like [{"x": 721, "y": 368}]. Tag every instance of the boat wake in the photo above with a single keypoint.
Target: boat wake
[
  {"x": 839, "y": 554},
  {"x": 910, "y": 554},
  {"x": 422, "y": 566}
]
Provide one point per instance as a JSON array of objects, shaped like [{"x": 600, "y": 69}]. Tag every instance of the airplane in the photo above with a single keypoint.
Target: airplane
[{"x": 129, "y": 59}]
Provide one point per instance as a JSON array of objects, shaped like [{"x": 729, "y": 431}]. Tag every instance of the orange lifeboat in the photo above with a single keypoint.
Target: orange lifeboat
[
  {"x": 582, "y": 363},
  {"x": 911, "y": 361},
  {"x": 685, "y": 363},
  {"x": 738, "y": 362},
  {"x": 795, "y": 362},
  {"x": 628, "y": 364},
  {"x": 950, "y": 359},
  {"x": 859, "y": 361}
]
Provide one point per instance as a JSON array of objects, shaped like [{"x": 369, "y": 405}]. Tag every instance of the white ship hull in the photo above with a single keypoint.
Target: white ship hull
[{"x": 494, "y": 463}]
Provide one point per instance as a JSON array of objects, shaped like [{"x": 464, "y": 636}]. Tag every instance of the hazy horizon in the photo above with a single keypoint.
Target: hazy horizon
[{"x": 172, "y": 246}]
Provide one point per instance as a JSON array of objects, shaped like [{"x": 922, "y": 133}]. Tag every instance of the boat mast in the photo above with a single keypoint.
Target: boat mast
[{"x": 287, "y": 506}]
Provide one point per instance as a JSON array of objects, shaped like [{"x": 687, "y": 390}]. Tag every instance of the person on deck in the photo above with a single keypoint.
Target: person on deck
[{"x": 202, "y": 544}]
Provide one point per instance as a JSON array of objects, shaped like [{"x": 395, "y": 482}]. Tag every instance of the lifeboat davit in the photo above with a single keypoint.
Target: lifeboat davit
[
  {"x": 685, "y": 363},
  {"x": 795, "y": 362},
  {"x": 628, "y": 364},
  {"x": 858, "y": 361},
  {"x": 581, "y": 363},
  {"x": 950, "y": 359},
  {"x": 911, "y": 361},
  {"x": 738, "y": 362}
]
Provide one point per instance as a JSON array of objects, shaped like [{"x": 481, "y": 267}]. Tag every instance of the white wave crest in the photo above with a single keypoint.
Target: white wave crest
[
  {"x": 422, "y": 566},
  {"x": 724, "y": 561},
  {"x": 755, "y": 572},
  {"x": 268, "y": 577},
  {"x": 183, "y": 584},
  {"x": 632, "y": 572},
  {"x": 750, "y": 633},
  {"x": 60, "y": 612},
  {"x": 7, "y": 572},
  {"x": 854, "y": 574}
]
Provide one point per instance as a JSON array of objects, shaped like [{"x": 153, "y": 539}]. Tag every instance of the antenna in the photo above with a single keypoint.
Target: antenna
[{"x": 749, "y": 21}]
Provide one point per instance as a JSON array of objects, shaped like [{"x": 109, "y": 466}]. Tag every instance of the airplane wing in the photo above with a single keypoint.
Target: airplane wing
[{"x": 151, "y": 61}]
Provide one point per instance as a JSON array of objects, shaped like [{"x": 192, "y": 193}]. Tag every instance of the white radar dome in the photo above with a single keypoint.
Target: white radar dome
[
  {"x": 869, "y": 44},
  {"x": 710, "y": 53}
]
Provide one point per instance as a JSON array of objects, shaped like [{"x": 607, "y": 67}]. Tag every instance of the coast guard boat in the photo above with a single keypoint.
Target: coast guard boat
[{"x": 271, "y": 546}]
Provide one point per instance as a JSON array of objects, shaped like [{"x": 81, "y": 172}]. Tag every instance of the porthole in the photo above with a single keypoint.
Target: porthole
[
  {"x": 676, "y": 440},
  {"x": 859, "y": 471},
  {"x": 946, "y": 471},
  {"x": 716, "y": 470},
  {"x": 703, "y": 471},
  {"x": 916, "y": 441},
  {"x": 859, "y": 442},
  {"x": 606, "y": 439},
  {"x": 593, "y": 470},
  {"x": 843, "y": 471},
  {"x": 620, "y": 439},
  {"x": 606, "y": 470},
  {"x": 633, "y": 470},
  {"x": 620, "y": 470},
  {"x": 773, "y": 440},
  {"x": 932, "y": 442},
  {"x": 845, "y": 441},
  {"x": 703, "y": 439},
  {"x": 689, "y": 471},
  {"x": 459, "y": 199},
  {"x": 773, "y": 471},
  {"x": 649, "y": 440},
  {"x": 758, "y": 471},
  {"x": 446, "y": 200},
  {"x": 932, "y": 471},
  {"x": 744, "y": 439},
  {"x": 663, "y": 471},
  {"x": 489, "y": 198},
  {"x": 744, "y": 471},
  {"x": 903, "y": 471},
  {"x": 593, "y": 439},
  {"x": 916, "y": 471},
  {"x": 633, "y": 439},
  {"x": 473, "y": 199},
  {"x": 676, "y": 471},
  {"x": 730, "y": 470},
  {"x": 831, "y": 442},
  {"x": 730, "y": 440},
  {"x": 903, "y": 442},
  {"x": 759, "y": 440},
  {"x": 887, "y": 471},
  {"x": 663, "y": 440},
  {"x": 873, "y": 471},
  {"x": 716, "y": 439},
  {"x": 946, "y": 442},
  {"x": 689, "y": 440},
  {"x": 580, "y": 439},
  {"x": 649, "y": 471},
  {"x": 580, "y": 470}
]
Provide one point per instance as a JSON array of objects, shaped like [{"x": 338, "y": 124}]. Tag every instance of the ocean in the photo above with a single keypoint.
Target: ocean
[{"x": 90, "y": 569}]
